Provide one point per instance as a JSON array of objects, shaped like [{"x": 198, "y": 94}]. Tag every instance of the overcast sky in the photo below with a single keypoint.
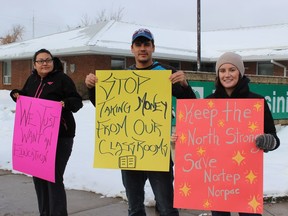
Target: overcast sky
[{"x": 57, "y": 15}]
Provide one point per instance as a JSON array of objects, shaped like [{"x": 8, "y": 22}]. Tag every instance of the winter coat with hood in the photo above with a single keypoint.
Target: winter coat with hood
[
  {"x": 56, "y": 86},
  {"x": 242, "y": 91}
]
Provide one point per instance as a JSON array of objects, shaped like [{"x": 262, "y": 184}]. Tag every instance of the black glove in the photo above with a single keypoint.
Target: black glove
[{"x": 267, "y": 142}]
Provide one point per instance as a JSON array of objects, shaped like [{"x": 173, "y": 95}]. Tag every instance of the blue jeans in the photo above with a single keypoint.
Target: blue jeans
[
  {"x": 162, "y": 186},
  {"x": 52, "y": 196},
  {"x": 218, "y": 213}
]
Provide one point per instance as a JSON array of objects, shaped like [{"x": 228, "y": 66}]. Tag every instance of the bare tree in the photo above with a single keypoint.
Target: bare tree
[
  {"x": 118, "y": 15},
  {"x": 85, "y": 20},
  {"x": 16, "y": 35},
  {"x": 101, "y": 17}
]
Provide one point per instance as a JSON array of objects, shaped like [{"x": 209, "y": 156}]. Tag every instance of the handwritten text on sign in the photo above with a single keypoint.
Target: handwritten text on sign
[
  {"x": 133, "y": 118},
  {"x": 218, "y": 166},
  {"x": 35, "y": 136}
]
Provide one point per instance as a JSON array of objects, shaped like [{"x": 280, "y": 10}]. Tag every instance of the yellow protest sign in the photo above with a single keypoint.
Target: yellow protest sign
[{"x": 133, "y": 119}]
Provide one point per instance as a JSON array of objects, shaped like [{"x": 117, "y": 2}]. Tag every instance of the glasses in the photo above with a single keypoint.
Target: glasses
[{"x": 42, "y": 61}]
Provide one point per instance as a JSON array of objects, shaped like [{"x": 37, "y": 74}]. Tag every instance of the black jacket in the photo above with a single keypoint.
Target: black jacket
[
  {"x": 56, "y": 86},
  {"x": 178, "y": 91},
  {"x": 242, "y": 91}
]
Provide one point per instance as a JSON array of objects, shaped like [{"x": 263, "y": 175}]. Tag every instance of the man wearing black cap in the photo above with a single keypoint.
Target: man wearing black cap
[{"x": 134, "y": 181}]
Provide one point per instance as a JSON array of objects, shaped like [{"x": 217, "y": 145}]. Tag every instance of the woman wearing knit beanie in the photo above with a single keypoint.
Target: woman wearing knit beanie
[{"x": 232, "y": 83}]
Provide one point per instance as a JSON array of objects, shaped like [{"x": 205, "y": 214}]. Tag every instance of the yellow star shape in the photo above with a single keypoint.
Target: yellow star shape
[
  {"x": 180, "y": 116},
  {"x": 207, "y": 204},
  {"x": 221, "y": 123},
  {"x": 252, "y": 126},
  {"x": 257, "y": 106},
  {"x": 201, "y": 151},
  {"x": 254, "y": 203},
  {"x": 251, "y": 176},
  {"x": 238, "y": 158},
  {"x": 210, "y": 104},
  {"x": 185, "y": 189},
  {"x": 182, "y": 138}
]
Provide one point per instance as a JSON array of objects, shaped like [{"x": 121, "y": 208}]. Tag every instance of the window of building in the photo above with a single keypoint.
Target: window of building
[
  {"x": 7, "y": 72},
  {"x": 176, "y": 65},
  {"x": 208, "y": 67},
  {"x": 117, "y": 63},
  {"x": 265, "y": 68}
]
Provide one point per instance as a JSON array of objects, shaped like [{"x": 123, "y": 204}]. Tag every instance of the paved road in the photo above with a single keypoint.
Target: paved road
[{"x": 17, "y": 198}]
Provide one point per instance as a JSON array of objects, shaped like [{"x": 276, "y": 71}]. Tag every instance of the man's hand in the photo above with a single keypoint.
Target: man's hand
[
  {"x": 91, "y": 80},
  {"x": 179, "y": 76}
]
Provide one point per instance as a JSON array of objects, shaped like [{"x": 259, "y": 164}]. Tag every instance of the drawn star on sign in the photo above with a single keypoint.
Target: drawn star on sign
[
  {"x": 254, "y": 203},
  {"x": 210, "y": 104},
  {"x": 182, "y": 138},
  {"x": 251, "y": 177},
  {"x": 221, "y": 123},
  {"x": 253, "y": 126},
  {"x": 201, "y": 151},
  {"x": 207, "y": 204},
  {"x": 185, "y": 189},
  {"x": 257, "y": 106},
  {"x": 238, "y": 158},
  {"x": 180, "y": 116}
]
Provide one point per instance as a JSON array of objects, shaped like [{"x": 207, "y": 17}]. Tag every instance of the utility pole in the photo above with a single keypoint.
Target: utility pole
[
  {"x": 33, "y": 26},
  {"x": 198, "y": 35}
]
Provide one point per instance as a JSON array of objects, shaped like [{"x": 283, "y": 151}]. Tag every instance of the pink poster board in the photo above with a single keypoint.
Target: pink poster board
[
  {"x": 35, "y": 137},
  {"x": 217, "y": 165}
]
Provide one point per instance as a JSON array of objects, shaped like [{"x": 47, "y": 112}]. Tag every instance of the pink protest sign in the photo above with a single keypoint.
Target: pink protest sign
[
  {"x": 35, "y": 137},
  {"x": 217, "y": 165}
]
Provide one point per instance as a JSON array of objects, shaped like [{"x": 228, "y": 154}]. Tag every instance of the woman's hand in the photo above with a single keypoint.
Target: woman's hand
[{"x": 16, "y": 95}]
